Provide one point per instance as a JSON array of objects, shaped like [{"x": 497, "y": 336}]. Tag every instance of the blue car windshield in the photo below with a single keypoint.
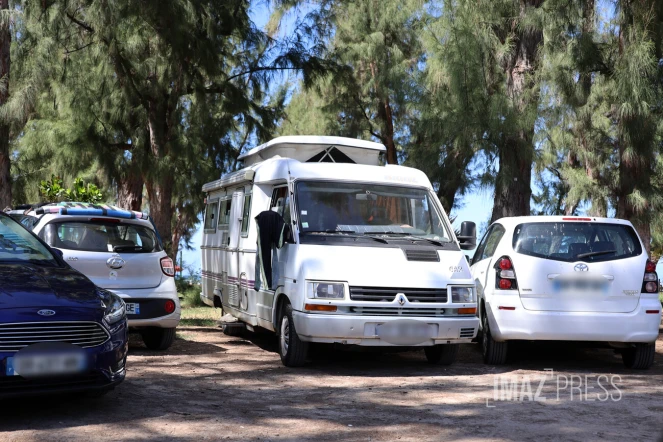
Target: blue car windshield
[{"x": 17, "y": 244}]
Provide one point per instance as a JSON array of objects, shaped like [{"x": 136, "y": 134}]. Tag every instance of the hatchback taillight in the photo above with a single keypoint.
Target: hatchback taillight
[
  {"x": 650, "y": 280},
  {"x": 167, "y": 266},
  {"x": 505, "y": 278}
]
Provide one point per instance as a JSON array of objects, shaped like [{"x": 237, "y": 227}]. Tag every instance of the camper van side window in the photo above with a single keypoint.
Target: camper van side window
[
  {"x": 224, "y": 214},
  {"x": 246, "y": 215},
  {"x": 281, "y": 203},
  {"x": 211, "y": 215}
]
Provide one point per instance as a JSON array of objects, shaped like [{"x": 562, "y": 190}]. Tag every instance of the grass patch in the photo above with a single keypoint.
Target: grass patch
[
  {"x": 190, "y": 297},
  {"x": 200, "y": 316}
]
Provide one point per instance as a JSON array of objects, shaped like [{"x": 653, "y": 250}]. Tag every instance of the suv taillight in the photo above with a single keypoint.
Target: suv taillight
[
  {"x": 167, "y": 266},
  {"x": 505, "y": 279},
  {"x": 650, "y": 280}
]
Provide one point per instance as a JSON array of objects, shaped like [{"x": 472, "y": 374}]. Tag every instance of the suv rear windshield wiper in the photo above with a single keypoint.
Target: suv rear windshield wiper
[
  {"x": 598, "y": 252},
  {"x": 408, "y": 235},
  {"x": 348, "y": 233}
]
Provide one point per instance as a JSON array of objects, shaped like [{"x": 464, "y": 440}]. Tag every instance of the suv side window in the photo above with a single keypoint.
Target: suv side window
[
  {"x": 493, "y": 240},
  {"x": 489, "y": 243}
]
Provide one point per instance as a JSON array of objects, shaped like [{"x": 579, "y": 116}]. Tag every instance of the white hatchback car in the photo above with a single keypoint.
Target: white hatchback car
[
  {"x": 120, "y": 251},
  {"x": 553, "y": 278}
]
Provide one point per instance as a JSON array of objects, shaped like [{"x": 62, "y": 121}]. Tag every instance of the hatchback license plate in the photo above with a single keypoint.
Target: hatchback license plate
[
  {"x": 46, "y": 365},
  {"x": 133, "y": 308}
]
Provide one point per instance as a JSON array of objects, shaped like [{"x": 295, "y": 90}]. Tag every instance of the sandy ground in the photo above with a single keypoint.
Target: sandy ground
[{"x": 209, "y": 386}]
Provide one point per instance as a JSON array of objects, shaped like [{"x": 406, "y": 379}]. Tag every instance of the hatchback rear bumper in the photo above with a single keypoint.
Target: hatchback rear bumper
[
  {"x": 521, "y": 324},
  {"x": 153, "y": 315}
]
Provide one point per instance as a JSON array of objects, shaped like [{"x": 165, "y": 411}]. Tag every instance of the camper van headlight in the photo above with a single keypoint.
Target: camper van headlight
[
  {"x": 462, "y": 294},
  {"x": 326, "y": 290}
]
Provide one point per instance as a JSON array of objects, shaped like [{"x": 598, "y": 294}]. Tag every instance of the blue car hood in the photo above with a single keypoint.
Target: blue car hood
[{"x": 25, "y": 285}]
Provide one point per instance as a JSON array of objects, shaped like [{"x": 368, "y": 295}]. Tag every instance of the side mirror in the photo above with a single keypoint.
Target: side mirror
[
  {"x": 58, "y": 252},
  {"x": 468, "y": 235}
]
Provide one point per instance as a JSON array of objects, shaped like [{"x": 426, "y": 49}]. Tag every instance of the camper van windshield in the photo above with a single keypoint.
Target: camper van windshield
[{"x": 329, "y": 207}]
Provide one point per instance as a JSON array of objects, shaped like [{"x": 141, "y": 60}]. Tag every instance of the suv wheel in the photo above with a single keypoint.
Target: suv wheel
[
  {"x": 156, "y": 338},
  {"x": 292, "y": 349},
  {"x": 442, "y": 354},
  {"x": 639, "y": 357},
  {"x": 494, "y": 353}
]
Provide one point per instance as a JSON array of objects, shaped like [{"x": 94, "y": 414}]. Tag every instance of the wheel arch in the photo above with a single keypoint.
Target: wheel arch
[{"x": 279, "y": 301}]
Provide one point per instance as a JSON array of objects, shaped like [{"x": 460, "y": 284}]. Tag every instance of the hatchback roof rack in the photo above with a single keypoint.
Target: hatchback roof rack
[{"x": 89, "y": 209}]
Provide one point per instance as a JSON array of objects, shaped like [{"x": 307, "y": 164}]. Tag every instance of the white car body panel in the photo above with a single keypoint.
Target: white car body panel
[
  {"x": 228, "y": 256},
  {"x": 535, "y": 312},
  {"x": 139, "y": 278}
]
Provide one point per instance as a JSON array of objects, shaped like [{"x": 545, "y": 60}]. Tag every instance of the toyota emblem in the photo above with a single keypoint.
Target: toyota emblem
[
  {"x": 115, "y": 262},
  {"x": 401, "y": 299},
  {"x": 581, "y": 267}
]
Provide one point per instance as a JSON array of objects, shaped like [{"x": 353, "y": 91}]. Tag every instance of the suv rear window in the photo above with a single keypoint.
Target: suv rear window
[
  {"x": 576, "y": 241},
  {"x": 101, "y": 237}
]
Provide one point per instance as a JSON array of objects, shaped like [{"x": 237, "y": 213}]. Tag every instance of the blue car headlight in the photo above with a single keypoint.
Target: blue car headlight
[{"x": 115, "y": 309}]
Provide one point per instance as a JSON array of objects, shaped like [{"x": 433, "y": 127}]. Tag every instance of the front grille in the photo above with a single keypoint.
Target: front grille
[
  {"x": 466, "y": 332},
  {"x": 14, "y": 337},
  {"x": 429, "y": 255},
  {"x": 396, "y": 311},
  {"x": 387, "y": 294}
]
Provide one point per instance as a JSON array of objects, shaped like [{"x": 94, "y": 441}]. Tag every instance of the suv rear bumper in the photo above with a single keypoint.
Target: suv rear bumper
[
  {"x": 165, "y": 291},
  {"x": 363, "y": 330},
  {"x": 521, "y": 324}
]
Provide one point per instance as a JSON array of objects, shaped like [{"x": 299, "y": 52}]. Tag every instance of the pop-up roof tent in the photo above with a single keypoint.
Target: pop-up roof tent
[{"x": 317, "y": 149}]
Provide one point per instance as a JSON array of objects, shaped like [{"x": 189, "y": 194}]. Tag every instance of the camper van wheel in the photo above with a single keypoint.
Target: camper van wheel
[
  {"x": 444, "y": 354},
  {"x": 292, "y": 349},
  {"x": 156, "y": 338}
]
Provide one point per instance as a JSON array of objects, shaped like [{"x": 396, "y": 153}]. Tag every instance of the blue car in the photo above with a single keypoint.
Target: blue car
[{"x": 59, "y": 333}]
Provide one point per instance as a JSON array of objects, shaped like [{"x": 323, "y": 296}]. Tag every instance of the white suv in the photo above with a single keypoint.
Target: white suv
[
  {"x": 120, "y": 251},
  {"x": 567, "y": 279}
]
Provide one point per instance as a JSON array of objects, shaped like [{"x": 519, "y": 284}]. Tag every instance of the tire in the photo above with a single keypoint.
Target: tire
[
  {"x": 293, "y": 351},
  {"x": 639, "y": 357},
  {"x": 158, "y": 338},
  {"x": 442, "y": 354},
  {"x": 494, "y": 353}
]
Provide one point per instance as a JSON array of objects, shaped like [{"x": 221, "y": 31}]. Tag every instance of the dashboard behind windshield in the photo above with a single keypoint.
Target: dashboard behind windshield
[{"x": 368, "y": 209}]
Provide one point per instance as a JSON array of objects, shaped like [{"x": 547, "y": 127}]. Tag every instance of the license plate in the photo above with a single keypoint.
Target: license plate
[
  {"x": 406, "y": 332},
  {"x": 46, "y": 365},
  {"x": 133, "y": 308}
]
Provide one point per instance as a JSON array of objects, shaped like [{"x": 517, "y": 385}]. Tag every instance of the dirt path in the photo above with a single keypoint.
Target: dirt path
[{"x": 210, "y": 387}]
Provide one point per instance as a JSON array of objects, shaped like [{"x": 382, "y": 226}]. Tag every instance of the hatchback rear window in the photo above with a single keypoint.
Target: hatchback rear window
[
  {"x": 576, "y": 241},
  {"x": 101, "y": 237}
]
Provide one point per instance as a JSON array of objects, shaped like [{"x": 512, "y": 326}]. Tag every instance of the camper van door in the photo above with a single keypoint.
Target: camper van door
[{"x": 233, "y": 248}]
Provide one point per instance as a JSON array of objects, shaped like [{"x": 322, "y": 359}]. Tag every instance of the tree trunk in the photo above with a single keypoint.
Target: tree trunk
[
  {"x": 385, "y": 114},
  {"x": 516, "y": 151},
  {"x": 160, "y": 183},
  {"x": 513, "y": 189},
  {"x": 130, "y": 191},
  {"x": 5, "y": 158}
]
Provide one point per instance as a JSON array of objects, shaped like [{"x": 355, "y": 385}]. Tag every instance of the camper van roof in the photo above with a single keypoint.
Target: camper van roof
[{"x": 314, "y": 148}]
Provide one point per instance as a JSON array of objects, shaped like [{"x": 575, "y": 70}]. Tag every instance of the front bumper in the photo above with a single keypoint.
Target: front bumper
[
  {"x": 151, "y": 300},
  {"x": 522, "y": 324},
  {"x": 108, "y": 369},
  {"x": 365, "y": 330}
]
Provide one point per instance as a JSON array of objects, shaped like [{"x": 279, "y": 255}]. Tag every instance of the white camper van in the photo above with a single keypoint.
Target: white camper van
[{"x": 362, "y": 254}]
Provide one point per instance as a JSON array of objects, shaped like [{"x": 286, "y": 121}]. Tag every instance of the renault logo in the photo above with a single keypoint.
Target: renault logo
[
  {"x": 401, "y": 299},
  {"x": 115, "y": 262},
  {"x": 581, "y": 267},
  {"x": 46, "y": 312}
]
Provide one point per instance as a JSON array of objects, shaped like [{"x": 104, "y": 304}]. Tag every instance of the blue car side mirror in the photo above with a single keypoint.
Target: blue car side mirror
[{"x": 58, "y": 252}]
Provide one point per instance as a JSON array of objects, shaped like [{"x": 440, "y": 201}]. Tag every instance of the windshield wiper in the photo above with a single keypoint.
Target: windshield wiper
[
  {"x": 408, "y": 235},
  {"x": 598, "y": 252},
  {"x": 127, "y": 248},
  {"x": 348, "y": 233}
]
